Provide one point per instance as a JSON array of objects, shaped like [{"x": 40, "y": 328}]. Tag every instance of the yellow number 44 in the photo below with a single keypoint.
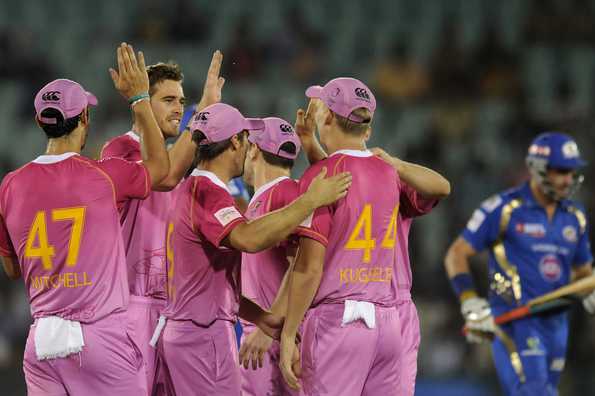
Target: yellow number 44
[
  {"x": 367, "y": 243},
  {"x": 39, "y": 232}
]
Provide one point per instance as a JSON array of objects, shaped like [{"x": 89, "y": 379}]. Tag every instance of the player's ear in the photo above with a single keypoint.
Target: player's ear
[{"x": 85, "y": 116}]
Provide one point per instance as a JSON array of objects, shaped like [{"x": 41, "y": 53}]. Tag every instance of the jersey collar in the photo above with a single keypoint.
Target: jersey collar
[
  {"x": 212, "y": 177},
  {"x": 265, "y": 187},
  {"x": 133, "y": 136},
  {"x": 354, "y": 153},
  {"x": 52, "y": 159}
]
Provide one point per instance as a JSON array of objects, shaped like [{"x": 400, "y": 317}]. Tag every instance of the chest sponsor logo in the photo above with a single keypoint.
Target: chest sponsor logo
[
  {"x": 535, "y": 230},
  {"x": 569, "y": 234},
  {"x": 550, "y": 268},
  {"x": 227, "y": 215}
]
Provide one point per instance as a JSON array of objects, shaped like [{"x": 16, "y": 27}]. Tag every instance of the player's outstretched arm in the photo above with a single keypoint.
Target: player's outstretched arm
[
  {"x": 429, "y": 183},
  {"x": 267, "y": 231},
  {"x": 11, "y": 267},
  {"x": 181, "y": 155},
  {"x": 305, "y": 128},
  {"x": 304, "y": 283},
  {"x": 132, "y": 81}
]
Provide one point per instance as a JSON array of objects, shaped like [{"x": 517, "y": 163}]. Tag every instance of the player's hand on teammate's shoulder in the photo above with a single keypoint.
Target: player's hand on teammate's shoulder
[
  {"x": 386, "y": 157},
  {"x": 211, "y": 92},
  {"x": 131, "y": 78},
  {"x": 254, "y": 348},
  {"x": 479, "y": 321},
  {"x": 589, "y": 303},
  {"x": 326, "y": 190}
]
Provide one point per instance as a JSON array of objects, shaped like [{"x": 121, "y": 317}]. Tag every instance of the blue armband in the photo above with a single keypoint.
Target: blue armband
[{"x": 462, "y": 284}]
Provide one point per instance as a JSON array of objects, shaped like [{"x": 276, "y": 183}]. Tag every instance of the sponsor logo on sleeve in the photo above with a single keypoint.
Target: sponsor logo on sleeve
[
  {"x": 476, "y": 220},
  {"x": 227, "y": 215},
  {"x": 550, "y": 268},
  {"x": 307, "y": 223},
  {"x": 569, "y": 233},
  {"x": 490, "y": 204}
]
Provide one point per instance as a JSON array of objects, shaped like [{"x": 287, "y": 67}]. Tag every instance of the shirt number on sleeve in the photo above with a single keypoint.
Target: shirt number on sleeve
[
  {"x": 38, "y": 233},
  {"x": 368, "y": 243}
]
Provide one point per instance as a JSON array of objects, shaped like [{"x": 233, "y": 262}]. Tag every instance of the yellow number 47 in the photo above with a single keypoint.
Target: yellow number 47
[
  {"x": 367, "y": 243},
  {"x": 39, "y": 232}
]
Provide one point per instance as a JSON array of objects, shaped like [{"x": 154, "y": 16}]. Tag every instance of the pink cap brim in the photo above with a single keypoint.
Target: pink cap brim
[
  {"x": 315, "y": 91},
  {"x": 91, "y": 99}
]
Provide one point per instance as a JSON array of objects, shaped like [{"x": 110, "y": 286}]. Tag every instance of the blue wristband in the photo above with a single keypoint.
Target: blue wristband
[
  {"x": 462, "y": 284},
  {"x": 138, "y": 97}
]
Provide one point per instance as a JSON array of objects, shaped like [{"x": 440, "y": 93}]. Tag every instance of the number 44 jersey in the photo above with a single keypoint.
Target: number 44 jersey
[
  {"x": 358, "y": 231},
  {"x": 59, "y": 217}
]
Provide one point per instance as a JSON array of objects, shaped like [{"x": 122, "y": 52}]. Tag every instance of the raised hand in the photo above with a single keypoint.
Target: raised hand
[
  {"x": 211, "y": 92},
  {"x": 386, "y": 157},
  {"x": 304, "y": 121},
  {"x": 324, "y": 191},
  {"x": 131, "y": 78}
]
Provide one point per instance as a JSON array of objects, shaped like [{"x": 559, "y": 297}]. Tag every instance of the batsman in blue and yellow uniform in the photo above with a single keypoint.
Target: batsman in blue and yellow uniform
[{"x": 537, "y": 238}]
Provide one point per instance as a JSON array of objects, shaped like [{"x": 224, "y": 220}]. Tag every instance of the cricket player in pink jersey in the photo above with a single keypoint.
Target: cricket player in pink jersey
[
  {"x": 352, "y": 338},
  {"x": 144, "y": 221},
  {"x": 60, "y": 230},
  {"x": 268, "y": 165},
  {"x": 205, "y": 236}
]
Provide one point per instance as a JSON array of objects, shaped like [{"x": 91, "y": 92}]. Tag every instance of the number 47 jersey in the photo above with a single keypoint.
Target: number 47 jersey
[
  {"x": 59, "y": 217},
  {"x": 359, "y": 231}
]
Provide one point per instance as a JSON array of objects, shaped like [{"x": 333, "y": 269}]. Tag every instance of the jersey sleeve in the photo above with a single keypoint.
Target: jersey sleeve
[
  {"x": 118, "y": 148},
  {"x": 318, "y": 225},
  {"x": 216, "y": 214},
  {"x": 583, "y": 254},
  {"x": 6, "y": 248},
  {"x": 413, "y": 204},
  {"x": 130, "y": 179},
  {"x": 483, "y": 228}
]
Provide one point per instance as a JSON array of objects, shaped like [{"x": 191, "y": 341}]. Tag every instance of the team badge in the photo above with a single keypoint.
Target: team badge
[
  {"x": 550, "y": 268},
  {"x": 570, "y": 150},
  {"x": 569, "y": 233}
]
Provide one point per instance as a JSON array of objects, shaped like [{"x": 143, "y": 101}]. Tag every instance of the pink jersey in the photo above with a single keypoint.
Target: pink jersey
[
  {"x": 359, "y": 231},
  {"x": 202, "y": 275},
  {"x": 143, "y": 227},
  {"x": 263, "y": 272},
  {"x": 412, "y": 205},
  {"x": 60, "y": 218}
]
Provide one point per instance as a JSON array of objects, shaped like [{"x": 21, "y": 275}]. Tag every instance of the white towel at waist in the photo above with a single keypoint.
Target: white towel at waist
[
  {"x": 57, "y": 338},
  {"x": 355, "y": 310}
]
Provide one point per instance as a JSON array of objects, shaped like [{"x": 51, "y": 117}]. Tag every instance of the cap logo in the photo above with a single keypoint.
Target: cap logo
[
  {"x": 51, "y": 96},
  {"x": 570, "y": 150},
  {"x": 286, "y": 129},
  {"x": 362, "y": 93},
  {"x": 202, "y": 116},
  {"x": 336, "y": 93},
  {"x": 539, "y": 150}
]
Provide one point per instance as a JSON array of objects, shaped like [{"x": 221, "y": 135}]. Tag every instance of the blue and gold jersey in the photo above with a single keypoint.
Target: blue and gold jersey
[{"x": 529, "y": 254}]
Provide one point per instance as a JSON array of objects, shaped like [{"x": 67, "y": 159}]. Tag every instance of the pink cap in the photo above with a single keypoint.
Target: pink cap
[
  {"x": 220, "y": 121},
  {"x": 66, "y": 96},
  {"x": 343, "y": 95},
  {"x": 276, "y": 133}
]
